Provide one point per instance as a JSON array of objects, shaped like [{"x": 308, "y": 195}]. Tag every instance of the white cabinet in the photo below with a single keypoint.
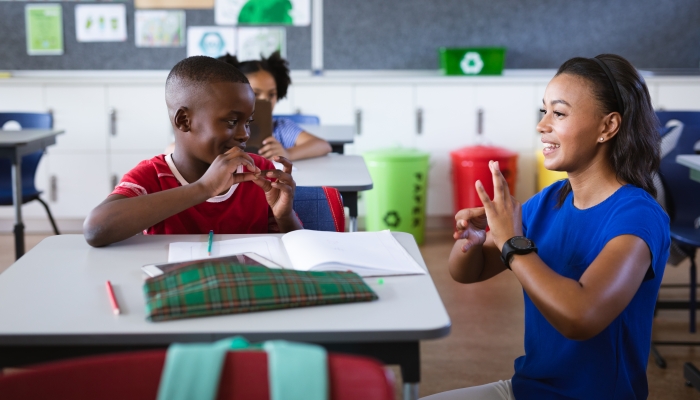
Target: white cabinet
[
  {"x": 679, "y": 97},
  {"x": 121, "y": 163},
  {"x": 80, "y": 183},
  {"x": 79, "y": 110},
  {"x": 138, "y": 118},
  {"x": 385, "y": 117},
  {"x": 448, "y": 122},
  {"x": 22, "y": 98},
  {"x": 333, "y": 104},
  {"x": 509, "y": 121}
]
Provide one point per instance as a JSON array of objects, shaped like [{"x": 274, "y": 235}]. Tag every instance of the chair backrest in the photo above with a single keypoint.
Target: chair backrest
[
  {"x": 320, "y": 208},
  {"x": 136, "y": 376},
  {"x": 30, "y": 161},
  {"x": 682, "y": 193},
  {"x": 300, "y": 119}
]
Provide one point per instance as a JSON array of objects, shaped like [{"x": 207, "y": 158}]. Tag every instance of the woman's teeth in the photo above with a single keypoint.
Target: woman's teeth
[{"x": 551, "y": 146}]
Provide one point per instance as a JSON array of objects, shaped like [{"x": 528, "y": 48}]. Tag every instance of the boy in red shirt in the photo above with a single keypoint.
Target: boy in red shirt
[{"x": 209, "y": 182}]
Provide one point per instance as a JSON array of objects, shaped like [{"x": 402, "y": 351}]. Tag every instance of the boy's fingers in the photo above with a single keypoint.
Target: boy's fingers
[
  {"x": 243, "y": 177},
  {"x": 263, "y": 183},
  {"x": 287, "y": 164}
]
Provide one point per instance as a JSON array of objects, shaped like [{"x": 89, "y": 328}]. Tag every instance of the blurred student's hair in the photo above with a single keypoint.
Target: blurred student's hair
[{"x": 275, "y": 65}]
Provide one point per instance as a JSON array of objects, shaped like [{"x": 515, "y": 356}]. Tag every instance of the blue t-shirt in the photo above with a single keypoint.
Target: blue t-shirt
[
  {"x": 286, "y": 132},
  {"x": 611, "y": 365}
]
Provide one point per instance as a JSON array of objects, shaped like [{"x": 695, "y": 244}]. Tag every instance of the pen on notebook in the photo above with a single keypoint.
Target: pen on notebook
[
  {"x": 113, "y": 299},
  {"x": 211, "y": 239}
]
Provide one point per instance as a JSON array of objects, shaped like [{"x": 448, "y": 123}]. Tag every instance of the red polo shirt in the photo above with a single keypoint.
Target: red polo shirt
[{"x": 243, "y": 209}]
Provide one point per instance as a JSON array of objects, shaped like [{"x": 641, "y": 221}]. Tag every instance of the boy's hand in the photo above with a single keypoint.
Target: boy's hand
[
  {"x": 279, "y": 194},
  {"x": 221, "y": 174},
  {"x": 271, "y": 148},
  {"x": 471, "y": 227}
]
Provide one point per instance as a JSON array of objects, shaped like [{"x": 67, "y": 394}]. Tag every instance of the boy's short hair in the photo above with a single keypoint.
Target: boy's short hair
[{"x": 198, "y": 70}]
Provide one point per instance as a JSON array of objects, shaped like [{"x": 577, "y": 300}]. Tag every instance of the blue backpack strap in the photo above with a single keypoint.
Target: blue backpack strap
[
  {"x": 297, "y": 371},
  {"x": 193, "y": 370}
]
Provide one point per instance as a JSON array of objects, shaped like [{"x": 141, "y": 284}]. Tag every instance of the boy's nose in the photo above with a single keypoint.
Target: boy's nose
[{"x": 242, "y": 134}]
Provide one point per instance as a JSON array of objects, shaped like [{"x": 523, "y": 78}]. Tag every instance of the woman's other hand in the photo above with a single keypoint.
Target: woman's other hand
[{"x": 471, "y": 227}]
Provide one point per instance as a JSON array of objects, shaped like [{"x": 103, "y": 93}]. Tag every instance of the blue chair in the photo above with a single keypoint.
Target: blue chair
[
  {"x": 300, "y": 119},
  {"x": 29, "y": 163},
  {"x": 320, "y": 208},
  {"x": 682, "y": 203}
]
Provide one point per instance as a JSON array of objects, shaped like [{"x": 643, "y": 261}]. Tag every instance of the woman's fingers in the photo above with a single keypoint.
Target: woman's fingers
[{"x": 483, "y": 195}]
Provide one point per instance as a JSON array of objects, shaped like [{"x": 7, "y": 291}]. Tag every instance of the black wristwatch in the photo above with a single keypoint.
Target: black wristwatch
[{"x": 516, "y": 245}]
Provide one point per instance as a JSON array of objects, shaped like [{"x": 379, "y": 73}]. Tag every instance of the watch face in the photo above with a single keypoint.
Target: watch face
[{"x": 520, "y": 242}]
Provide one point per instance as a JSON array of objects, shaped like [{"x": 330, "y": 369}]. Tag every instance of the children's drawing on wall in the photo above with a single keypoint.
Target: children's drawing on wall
[
  {"x": 100, "y": 23},
  {"x": 160, "y": 28},
  {"x": 212, "y": 41},
  {"x": 254, "y": 43},
  {"x": 263, "y": 12}
]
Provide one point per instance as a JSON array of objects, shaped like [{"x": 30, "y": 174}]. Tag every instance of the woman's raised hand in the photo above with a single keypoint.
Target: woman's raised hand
[{"x": 504, "y": 211}]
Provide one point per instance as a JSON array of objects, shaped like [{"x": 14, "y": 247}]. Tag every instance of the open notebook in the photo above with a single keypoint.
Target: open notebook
[{"x": 365, "y": 253}]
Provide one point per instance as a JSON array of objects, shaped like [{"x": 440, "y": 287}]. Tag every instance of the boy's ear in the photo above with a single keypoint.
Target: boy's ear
[{"x": 182, "y": 119}]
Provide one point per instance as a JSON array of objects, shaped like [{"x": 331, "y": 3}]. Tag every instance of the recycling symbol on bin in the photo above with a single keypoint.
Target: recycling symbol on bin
[
  {"x": 392, "y": 219},
  {"x": 472, "y": 63}
]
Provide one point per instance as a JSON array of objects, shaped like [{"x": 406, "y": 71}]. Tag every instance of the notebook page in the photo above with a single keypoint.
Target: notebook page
[
  {"x": 269, "y": 247},
  {"x": 367, "y": 253}
]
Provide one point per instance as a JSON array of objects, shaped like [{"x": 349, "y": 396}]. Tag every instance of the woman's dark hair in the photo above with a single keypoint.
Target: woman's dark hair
[
  {"x": 635, "y": 149},
  {"x": 275, "y": 65}
]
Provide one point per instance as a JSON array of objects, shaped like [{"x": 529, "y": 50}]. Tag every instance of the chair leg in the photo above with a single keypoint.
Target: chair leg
[
  {"x": 693, "y": 288},
  {"x": 658, "y": 359},
  {"x": 53, "y": 223},
  {"x": 691, "y": 375}
]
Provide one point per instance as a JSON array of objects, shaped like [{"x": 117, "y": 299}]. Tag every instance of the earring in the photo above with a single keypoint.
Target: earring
[{"x": 601, "y": 139}]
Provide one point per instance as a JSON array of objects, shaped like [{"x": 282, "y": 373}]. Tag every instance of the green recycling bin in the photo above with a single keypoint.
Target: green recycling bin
[{"x": 397, "y": 200}]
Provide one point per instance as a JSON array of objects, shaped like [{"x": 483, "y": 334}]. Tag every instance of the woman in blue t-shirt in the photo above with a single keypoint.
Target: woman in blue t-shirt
[
  {"x": 589, "y": 251},
  {"x": 269, "y": 78}
]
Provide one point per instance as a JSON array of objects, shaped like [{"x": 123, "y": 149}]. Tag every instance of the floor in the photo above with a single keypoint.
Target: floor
[{"x": 487, "y": 328}]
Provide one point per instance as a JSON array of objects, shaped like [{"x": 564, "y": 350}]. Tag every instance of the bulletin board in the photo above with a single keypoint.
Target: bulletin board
[{"x": 405, "y": 34}]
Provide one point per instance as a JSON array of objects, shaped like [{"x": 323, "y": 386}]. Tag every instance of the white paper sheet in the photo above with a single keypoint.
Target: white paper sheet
[
  {"x": 269, "y": 247},
  {"x": 100, "y": 22},
  {"x": 366, "y": 253}
]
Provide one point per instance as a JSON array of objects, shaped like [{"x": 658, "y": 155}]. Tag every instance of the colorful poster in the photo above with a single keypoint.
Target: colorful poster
[
  {"x": 44, "y": 29},
  {"x": 256, "y": 42},
  {"x": 159, "y": 28},
  {"x": 212, "y": 41},
  {"x": 100, "y": 23},
  {"x": 263, "y": 12}
]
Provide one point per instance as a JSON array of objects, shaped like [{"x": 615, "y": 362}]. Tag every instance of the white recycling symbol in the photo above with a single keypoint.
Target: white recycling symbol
[{"x": 471, "y": 63}]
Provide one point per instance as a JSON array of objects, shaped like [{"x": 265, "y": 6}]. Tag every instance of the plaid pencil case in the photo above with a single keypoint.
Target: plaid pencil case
[{"x": 213, "y": 288}]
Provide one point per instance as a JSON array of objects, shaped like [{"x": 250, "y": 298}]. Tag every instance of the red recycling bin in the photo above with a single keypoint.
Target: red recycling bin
[{"x": 470, "y": 164}]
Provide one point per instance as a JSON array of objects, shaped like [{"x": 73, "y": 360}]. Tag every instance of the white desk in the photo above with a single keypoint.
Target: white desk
[
  {"x": 53, "y": 304},
  {"x": 336, "y": 135},
  {"x": 14, "y": 145},
  {"x": 691, "y": 161},
  {"x": 348, "y": 174}
]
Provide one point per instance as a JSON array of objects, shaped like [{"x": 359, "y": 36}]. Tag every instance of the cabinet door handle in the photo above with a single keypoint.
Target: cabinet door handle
[
  {"x": 113, "y": 121},
  {"x": 480, "y": 121},
  {"x": 358, "y": 121},
  {"x": 419, "y": 121},
  {"x": 115, "y": 181},
  {"x": 53, "y": 188}
]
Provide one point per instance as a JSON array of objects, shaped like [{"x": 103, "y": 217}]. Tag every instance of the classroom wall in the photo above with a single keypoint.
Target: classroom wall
[{"x": 405, "y": 34}]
